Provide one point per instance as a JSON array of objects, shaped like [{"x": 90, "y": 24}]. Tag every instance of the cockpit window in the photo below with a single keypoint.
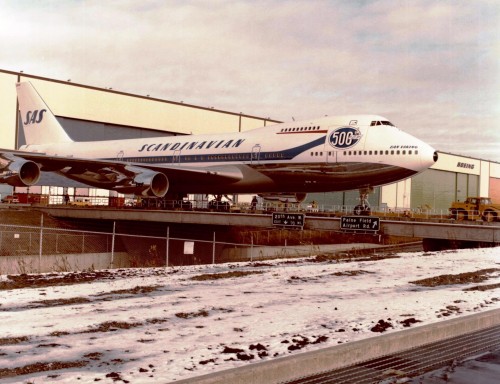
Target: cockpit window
[{"x": 383, "y": 122}]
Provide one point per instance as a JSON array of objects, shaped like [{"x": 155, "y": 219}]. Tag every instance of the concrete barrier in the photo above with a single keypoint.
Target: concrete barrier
[
  {"x": 61, "y": 262},
  {"x": 266, "y": 252},
  {"x": 309, "y": 363}
]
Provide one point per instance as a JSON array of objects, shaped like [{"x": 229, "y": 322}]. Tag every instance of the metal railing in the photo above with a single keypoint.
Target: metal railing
[{"x": 310, "y": 207}]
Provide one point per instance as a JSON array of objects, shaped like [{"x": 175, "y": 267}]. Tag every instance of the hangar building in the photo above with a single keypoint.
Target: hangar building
[{"x": 91, "y": 113}]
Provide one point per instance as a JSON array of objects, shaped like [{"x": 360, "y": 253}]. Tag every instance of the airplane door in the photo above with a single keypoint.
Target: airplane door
[
  {"x": 176, "y": 158},
  {"x": 255, "y": 154},
  {"x": 331, "y": 155},
  {"x": 330, "y": 151}
]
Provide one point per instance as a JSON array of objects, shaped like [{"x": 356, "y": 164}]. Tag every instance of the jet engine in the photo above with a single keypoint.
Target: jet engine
[
  {"x": 18, "y": 172},
  {"x": 284, "y": 197},
  {"x": 144, "y": 182}
]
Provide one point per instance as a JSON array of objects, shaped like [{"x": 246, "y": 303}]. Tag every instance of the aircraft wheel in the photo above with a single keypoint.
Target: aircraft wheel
[
  {"x": 367, "y": 211},
  {"x": 358, "y": 210},
  {"x": 224, "y": 206}
]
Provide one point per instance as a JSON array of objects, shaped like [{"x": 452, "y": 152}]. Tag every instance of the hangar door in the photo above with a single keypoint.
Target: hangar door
[
  {"x": 435, "y": 189},
  {"x": 495, "y": 190}
]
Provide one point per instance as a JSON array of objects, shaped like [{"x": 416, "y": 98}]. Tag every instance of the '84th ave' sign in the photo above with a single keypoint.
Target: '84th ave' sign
[{"x": 360, "y": 223}]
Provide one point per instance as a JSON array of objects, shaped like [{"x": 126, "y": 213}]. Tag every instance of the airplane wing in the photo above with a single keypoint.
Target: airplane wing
[{"x": 21, "y": 168}]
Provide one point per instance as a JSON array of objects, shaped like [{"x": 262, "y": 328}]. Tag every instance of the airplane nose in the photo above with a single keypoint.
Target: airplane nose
[{"x": 429, "y": 156}]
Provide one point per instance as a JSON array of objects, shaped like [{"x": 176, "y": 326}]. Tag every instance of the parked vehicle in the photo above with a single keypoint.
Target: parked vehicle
[
  {"x": 10, "y": 199},
  {"x": 81, "y": 202},
  {"x": 475, "y": 208}
]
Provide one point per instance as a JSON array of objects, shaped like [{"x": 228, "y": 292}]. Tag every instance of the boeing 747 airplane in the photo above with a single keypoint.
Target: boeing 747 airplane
[{"x": 335, "y": 153}]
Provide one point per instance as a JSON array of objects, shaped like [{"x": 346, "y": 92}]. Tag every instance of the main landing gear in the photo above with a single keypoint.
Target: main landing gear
[
  {"x": 219, "y": 205},
  {"x": 363, "y": 208}
]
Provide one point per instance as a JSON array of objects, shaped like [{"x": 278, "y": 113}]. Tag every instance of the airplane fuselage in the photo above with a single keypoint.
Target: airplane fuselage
[{"x": 328, "y": 154}]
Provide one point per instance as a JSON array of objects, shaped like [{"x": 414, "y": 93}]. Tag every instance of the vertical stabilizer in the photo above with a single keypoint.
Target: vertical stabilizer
[{"x": 39, "y": 123}]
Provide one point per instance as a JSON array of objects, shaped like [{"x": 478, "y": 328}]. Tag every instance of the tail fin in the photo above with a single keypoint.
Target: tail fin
[{"x": 39, "y": 123}]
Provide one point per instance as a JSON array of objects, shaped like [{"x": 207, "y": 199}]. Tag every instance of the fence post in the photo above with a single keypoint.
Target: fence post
[
  {"x": 213, "y": 250},
  {"x": 166, "y": 247},
  {"x": 251, "y": 247},
  {"x": 113, "y": 245},
  {"x": 41, "y": 246}
]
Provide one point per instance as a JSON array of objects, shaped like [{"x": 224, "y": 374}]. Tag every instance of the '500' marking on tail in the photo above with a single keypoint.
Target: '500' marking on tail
[{"x": 34, "y": 117}]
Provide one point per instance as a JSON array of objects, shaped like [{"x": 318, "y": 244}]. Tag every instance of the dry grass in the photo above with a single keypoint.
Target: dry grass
[
  {"x": 225, "y": 275},
  {"x": 41, "y": 367},
  {"x": 13, "y": 340},
  {"x": 461, "y": 278}
]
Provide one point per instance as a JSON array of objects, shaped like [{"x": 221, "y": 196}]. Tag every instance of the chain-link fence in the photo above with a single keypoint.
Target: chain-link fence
[{"x": 37, "y": 249}]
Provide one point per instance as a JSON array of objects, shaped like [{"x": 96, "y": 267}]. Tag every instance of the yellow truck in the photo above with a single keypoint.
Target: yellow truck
[{"x": 475, "y": 208}]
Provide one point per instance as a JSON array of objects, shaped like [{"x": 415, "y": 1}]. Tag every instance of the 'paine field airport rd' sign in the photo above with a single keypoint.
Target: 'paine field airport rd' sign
[{"x": 361, "y": 223}]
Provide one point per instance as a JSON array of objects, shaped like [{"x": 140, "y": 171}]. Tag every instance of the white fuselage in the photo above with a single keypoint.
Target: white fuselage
[{"x": 327, "y": 154}]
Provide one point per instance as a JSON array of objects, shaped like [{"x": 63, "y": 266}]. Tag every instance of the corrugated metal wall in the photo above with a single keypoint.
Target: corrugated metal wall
[{"x": 436, "y": 189}]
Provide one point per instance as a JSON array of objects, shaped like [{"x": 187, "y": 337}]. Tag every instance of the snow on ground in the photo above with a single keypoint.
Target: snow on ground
[{"x": 162, "y": 325}]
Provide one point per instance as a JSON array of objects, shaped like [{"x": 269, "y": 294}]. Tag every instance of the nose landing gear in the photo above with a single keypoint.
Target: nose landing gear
[{"x": 363, "y": 208}]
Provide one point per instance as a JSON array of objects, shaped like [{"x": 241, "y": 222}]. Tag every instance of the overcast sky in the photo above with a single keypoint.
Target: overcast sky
[{"x": 431, "y": 67}]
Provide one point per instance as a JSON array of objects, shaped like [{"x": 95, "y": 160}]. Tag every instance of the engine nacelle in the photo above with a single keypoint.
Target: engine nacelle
[
  {"x": 145, "y": 183},
  {"x": 284, "y": 197},
  {"x": 19, "y": 172},
  {"x": 156, "y": 182}
]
